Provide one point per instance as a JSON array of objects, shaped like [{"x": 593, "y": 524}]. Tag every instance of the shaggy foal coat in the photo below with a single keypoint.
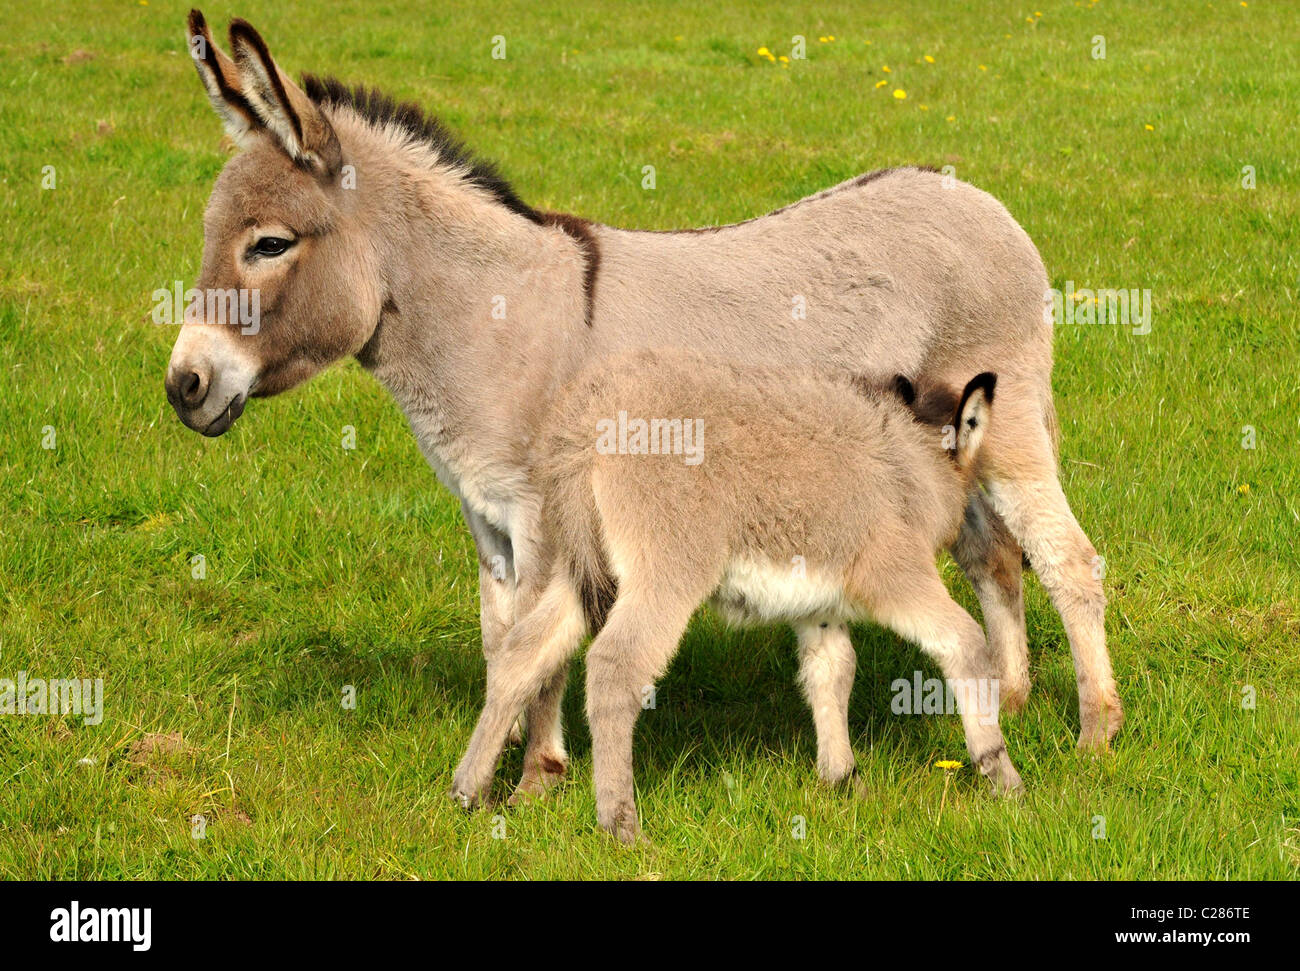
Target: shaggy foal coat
[{"x": 809, "y": 501}]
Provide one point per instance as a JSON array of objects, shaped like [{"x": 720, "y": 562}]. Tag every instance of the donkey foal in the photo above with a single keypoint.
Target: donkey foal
[{"x": 797, "y": 498}]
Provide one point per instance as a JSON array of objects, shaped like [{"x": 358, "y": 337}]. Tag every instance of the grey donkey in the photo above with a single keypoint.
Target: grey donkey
[
  {"x": 669, "y": 479},
  {"x": 370, "y": 232}
]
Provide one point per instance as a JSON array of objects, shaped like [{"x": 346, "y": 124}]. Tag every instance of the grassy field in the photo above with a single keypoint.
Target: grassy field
[{"x": 328, "y": 567}]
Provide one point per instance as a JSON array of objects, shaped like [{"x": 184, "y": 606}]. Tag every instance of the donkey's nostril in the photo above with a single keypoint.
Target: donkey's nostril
[{"x": 192, "y": 389}]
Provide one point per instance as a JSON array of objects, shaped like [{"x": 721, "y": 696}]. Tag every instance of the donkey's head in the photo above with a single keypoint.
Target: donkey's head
[{"x": 276, "y": 234}]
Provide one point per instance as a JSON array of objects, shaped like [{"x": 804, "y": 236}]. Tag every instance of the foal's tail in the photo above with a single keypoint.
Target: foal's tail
[
  {"x": 573, "y": 523},
  {"x": 590, "y": 574}
]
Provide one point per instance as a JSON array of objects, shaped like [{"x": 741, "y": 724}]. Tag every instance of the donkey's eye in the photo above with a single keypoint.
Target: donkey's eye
[{"x": 270, "y": 246}]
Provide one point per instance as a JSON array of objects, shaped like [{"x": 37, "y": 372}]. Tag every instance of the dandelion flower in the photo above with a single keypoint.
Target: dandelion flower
[
  {"x": 1149, "y": 127},
  {"x": 764, "y": 51},
  {"x": 886, "y": 69},
  {"x": 783, "y": 59},
  {"x": 947, "y": 764},
  {"x": 951, "y": 118},
  {"x": 831, "y": 37},
  {"x": 821, "y": 40},
  {"x": 900, "y": 94},
  {"x": 929, "y": 59},
  {"x": 881, "y": 83},
  {"x": 1244, "y": 488}
]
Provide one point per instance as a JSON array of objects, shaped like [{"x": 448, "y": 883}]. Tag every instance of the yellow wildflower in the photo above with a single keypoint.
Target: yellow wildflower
[
  {"x": 900, "y": 94},
  {"x": 881, "y": 83},
  {"x": 1149, "y": 127},
  {"x": 929, "y": 59},
  {"x": 947, "y": 764},
  {"x": 886, "y": 69}
]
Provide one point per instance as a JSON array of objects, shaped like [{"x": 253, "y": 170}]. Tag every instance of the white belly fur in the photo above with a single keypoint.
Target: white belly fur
[{"x": 757, "y": 592}]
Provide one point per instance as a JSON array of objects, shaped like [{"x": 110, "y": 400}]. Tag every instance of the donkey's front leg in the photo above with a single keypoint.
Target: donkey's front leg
[
  {"x": 545, "y": 760},
  {"x": 535, "y": 651},
  {"x": 496, "y": 589}
]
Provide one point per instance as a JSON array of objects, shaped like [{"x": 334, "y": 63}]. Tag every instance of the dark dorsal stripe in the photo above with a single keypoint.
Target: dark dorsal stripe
[{"x": 381, "y": 110}]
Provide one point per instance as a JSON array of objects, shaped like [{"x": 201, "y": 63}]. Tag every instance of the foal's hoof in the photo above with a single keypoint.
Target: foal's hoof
[
  {"x": 836, "y": 770},
  {"x": 466, "y": 796},
  {"x": 997, "y": 768},
  {"x": 1098, "y": 727},
  {"x": 621, "y": 823}
]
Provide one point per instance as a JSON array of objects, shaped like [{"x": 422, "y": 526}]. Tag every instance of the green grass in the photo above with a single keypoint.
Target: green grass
[{"x": 328, "y": 567}]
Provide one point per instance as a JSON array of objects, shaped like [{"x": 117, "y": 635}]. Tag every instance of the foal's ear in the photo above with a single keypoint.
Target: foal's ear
[
  {"x": 903, "y": 388},
  {"x": 973, "y": 416},
  {"x": 281, "y": 106},
  {"x": 221, "y": 80}
]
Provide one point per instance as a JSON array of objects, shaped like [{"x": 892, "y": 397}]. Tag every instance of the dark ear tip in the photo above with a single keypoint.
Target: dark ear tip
[
  {"x": 241, "y": 28},
  {"x": 904, "y": 389},
  {"x": 985, "y": 381},
  {"x": 990, "y": 381}
]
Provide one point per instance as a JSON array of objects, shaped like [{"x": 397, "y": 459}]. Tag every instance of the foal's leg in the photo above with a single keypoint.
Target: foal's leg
[
  {"x": 918, "y": 607},
  {"x": 826, "y": 665},
  {"x": 624, "y": 661},
  {"x": 991, "y": 559},
  {"x": 535, "y": 651}
]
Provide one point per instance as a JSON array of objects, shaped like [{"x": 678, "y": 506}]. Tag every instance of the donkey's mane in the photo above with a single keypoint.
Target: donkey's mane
[{"x": 383, "y": 111}]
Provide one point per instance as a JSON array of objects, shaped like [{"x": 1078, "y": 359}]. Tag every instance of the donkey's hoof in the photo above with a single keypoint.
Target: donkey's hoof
[
  {"x": 1014, "y": 698},
  {"x": 538, "y": 780},
  {"x": 621, "y": 822}
]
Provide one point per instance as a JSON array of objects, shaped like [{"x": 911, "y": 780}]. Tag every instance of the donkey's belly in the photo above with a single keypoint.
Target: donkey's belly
[{"x": 760, "y": 591}]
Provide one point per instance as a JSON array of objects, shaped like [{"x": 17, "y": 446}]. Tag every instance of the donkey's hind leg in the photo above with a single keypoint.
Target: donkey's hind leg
[
  {"x": 917, "y": 606},
  {"x": 1036, "y": 511},
  {"x": 826, "y": 665},
  {"x": 1020, "y": 476},
  {"x": 534, "y": 654},
  {"x": 991, "y": 559}
]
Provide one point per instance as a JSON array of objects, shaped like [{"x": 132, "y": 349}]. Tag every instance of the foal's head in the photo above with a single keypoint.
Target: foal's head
[{"x": 276, "y": 232}]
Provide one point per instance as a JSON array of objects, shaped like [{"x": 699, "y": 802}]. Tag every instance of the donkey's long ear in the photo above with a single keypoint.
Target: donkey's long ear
[
  {"x": 298, "y": 125},
  {"x": 973, "y": 416},
  {"x": 219, "y": 77}
]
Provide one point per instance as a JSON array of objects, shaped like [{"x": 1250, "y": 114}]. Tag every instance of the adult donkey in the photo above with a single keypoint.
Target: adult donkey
[{"x": 370, "y": 231}]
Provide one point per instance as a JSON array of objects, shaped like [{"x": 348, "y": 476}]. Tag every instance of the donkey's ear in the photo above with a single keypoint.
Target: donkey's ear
[
  {"x": 973, "y": 416},
  {"x": 221, "y": 80},
  {"x": 298, "y": 125}
]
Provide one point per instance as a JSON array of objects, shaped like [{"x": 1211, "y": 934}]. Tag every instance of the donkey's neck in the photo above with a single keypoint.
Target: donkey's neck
[{"x": 483, "y": 311}]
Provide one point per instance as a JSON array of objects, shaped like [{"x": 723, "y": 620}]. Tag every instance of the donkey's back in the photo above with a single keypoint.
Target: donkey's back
[{"x": 903, "y": 270}]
